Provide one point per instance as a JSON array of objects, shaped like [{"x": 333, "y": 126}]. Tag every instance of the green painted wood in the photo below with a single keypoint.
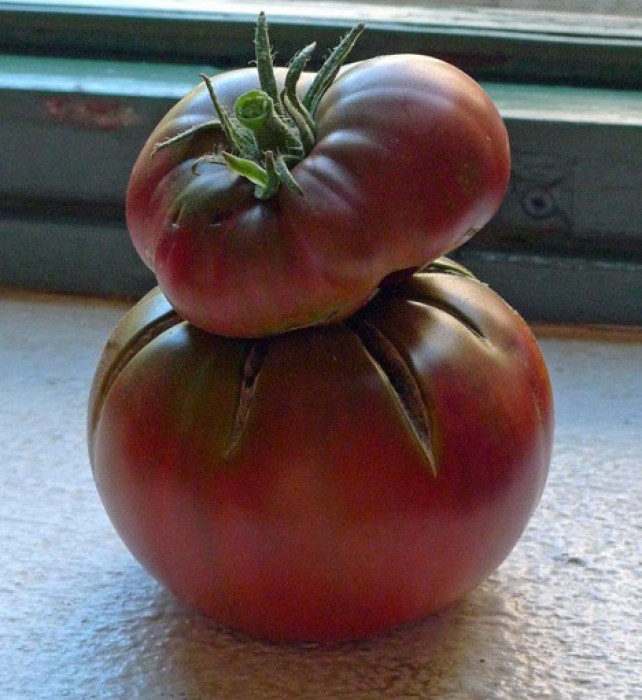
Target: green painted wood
[
  {"x": 71, "y": 129},
  {"x": 566, "y": 245},
  {"x": 74, "y": 256},
  {"x": 24, "y": 73},
  {"x": 490, "y": 44},
  {"x": 71, "y": 255},
  {"x": 562, "y": 289}
]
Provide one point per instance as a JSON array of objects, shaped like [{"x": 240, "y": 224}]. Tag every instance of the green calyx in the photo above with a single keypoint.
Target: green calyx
[{"x": 269, "y": 131}]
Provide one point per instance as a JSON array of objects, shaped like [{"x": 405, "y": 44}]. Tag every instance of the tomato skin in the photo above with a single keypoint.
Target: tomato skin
[
  {"x": 411, "y": 159},
  {"x": 322, "y": 520}
]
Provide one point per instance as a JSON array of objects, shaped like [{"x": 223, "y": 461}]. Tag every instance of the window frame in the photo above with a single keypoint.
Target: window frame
[
  {"x": 565, "y": 247},
  {"x": 490, "y": 44}
]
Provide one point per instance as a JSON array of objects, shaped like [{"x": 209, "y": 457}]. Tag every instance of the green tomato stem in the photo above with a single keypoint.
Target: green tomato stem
[
  {"x": 269, "y": 132},
  {"x": 240, "y": 139},
  {"x": 256, "y": 111},
  {"x": 253, "y": 109}
]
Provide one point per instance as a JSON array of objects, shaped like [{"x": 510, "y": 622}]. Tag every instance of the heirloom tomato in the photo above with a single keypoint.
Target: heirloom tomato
[
  {"x": 270, "y": 199},
  {"x": 328, "y": 483}
]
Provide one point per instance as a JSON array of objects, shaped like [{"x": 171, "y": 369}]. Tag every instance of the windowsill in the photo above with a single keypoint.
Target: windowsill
[
  {"x": 578, "y": 259},
  {"x": 79, "y": 618}
]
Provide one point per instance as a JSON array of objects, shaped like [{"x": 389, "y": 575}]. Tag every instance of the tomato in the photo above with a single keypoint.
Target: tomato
[
  {"x": 328, "y": 483},
  {"x": 409, "y": 159}
]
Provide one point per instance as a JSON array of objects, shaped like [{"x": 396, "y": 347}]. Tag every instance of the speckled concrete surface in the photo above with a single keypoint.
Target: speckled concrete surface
[{"x": 79, "y": 619}]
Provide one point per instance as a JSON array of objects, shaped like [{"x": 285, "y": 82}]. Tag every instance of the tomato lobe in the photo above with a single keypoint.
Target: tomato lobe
[
  {"x": 411, "y": 158},
  {"x": 280, "y": 485}
]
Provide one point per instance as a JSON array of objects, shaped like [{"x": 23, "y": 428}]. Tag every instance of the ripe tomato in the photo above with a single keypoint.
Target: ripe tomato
[
  {"x": 332, "y": 482},
  {"x": 410, "y": 158}
]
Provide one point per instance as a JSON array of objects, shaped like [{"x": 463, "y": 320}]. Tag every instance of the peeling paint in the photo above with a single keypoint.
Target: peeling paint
[{"x": 93, "y": 114}]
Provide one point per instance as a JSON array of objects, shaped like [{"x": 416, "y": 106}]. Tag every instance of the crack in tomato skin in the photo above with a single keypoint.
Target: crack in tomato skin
[
  {"x": 254, "y": 360},
  {"x": 404, "y": 386}
]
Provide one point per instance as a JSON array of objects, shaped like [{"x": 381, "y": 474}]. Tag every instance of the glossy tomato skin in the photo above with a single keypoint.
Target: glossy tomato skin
[
  {"x": 411, "y": 159},
  {"x": 280, "y": 487}
]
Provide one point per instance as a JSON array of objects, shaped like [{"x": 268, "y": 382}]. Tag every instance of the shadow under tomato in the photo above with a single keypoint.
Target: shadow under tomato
[
  {"x": 131, "y": 638},
  {"x": 441, "y": 656}
]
